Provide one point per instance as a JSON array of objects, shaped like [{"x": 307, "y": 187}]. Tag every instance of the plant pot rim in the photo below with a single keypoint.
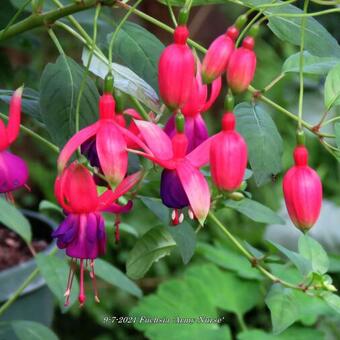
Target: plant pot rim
[{"x": 36, "y": 284}]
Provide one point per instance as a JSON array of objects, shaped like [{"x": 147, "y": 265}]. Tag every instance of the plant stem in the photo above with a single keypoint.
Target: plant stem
[
  {"x": 329, "y": 121},
  {"x": 241, "y": 322},
  {"x": 31, "y": 133},
  {"x": 56, "y": 42},
  {"x": 305, "y": 15},
  {"x": 140, "y": 108},
  {"x": 48, "y": 18},
  {"x": 273, "y": 82},
  {"x": 249, "y": 256},
  {"x": 301, "y": 64},
  {"x": 172, "y": 15},
  {"x": 250, "y": 23}
]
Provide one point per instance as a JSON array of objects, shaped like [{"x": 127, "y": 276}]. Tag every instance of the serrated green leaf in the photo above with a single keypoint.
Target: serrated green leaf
[
  {"x": 304, "y": 265},
  {"x": 125, "y": 80},
  {"x": 25, "y": 330},
  {"x": 312, "y": 64},
  {"x": 59, "y": 87},
  {"x": 151, "y": 247},
  {"x": 55, "y": 272},
  {"x": 283, "y": 309},
  {"x": 255, "y": 211},
  {"x": 332, "y": 87},
  {"x": 263, "y": 139},
  {"x": 139, "y": 50},
  {"x": 114, "y": 276},
  {"x": 313, "y": 251},
  {"x": 13, "y": 219}
]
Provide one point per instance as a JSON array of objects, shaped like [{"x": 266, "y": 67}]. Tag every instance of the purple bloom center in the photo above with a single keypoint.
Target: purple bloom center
[
  {"x": 172, "y": 192},
  {"x": 83, "y": 235}
]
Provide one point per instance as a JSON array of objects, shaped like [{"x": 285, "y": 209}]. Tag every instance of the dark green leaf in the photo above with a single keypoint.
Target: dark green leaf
[
  {"x": 313, "y": 251},
  {"x": 55, "y": 272},
  {"x": 255, "y": 211},
  {"x": 312, "y": 64},
  {"x": 125, "y": 80},
  {"x": 263, "y": 140},
  {"x": 25, "y": 330},
  {"x": 139, "y": 50},
  {"x": 283, "y": 309},
  {"x": 59, "y": 88},
  {"x": 13, "y": 219},
  {"x": 151, "y": 247},
  {"x": 29, "y": 103},
  {"x": 304, "y": 265},
  {"x": 114, "y": 276},
  {"x": 332, "y": 87}
]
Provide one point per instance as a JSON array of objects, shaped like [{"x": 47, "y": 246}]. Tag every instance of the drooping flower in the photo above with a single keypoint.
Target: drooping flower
[
  {"x": 176, "y": 70},
  {"x": 13, "y": 170},
  {"x": 302, "y": 191},
  {"x": 82, "y": 233},
  {"x": 198, "y": 102},
  {"x": 182, "y": 183},
  {"x": 216, "y": 59},
  {"x": 242, "y": 66},
  {"x": 228, "y": 156},
  {"x": 103, "y": 142}
]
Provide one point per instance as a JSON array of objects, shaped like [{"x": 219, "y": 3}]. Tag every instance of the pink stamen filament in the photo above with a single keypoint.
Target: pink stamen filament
[
  {"x": 94, "y": 282},
  {"x": 82, "y": 296},
  {"x": 69, "y": 283}
]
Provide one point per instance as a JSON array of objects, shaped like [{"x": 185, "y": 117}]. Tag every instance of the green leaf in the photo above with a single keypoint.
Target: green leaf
[
  {"x": 183, "y": 234},
  {"x": 194, "y": 2},
  {"x": 255, "y": 211},
  {"x": 312, "y": 64},
  {"x": 29, "y": 102},
  {"x": 151, "y": 247},
  {"x": 313, "y": 251},
  {"x": 318, "y": 41},
  {"x": 25, "y": 330},
  {"x": 13, "y": 219},
  {"x": 337, "y": 134},
  {"x": 114, "y": 276},
  {"x": 263, "y": 140},
  {"x": 125, "y": 80},
  {"x": 228, "y": 259},
  {"x": 332, "y": 301},
  {"x": 304, "y": 265},
  {"x": 55, "y": 272},
  {"x": 332, "y": 87},
  {"x": 283, "y": 309},
  {"x": 139, "y": 50},
  {"x": 59, "y": 89}
]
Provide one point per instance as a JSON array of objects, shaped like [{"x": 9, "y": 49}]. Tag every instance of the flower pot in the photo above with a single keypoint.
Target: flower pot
[{"x": 36, "y": 301}]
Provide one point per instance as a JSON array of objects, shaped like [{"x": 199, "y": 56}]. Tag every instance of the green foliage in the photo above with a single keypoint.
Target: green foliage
[
  {"x": 13, "y": 219},
  {"x": 264, "y": 141},
  {"x": 138, "y": 49},
  {"x": 337, "y": 133},
  {"x": 59, "y": 88},
  {"x": 332, "y": 87}
]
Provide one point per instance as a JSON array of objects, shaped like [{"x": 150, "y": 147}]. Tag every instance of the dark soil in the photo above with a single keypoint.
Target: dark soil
[{"x": 13, "y": 250}]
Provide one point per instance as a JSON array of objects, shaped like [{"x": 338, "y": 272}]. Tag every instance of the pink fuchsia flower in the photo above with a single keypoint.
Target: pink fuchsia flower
[
  {"x": 105, "y": 143},
  {"x": 302, "y": 191},
  {"x": 176, "y": 70},
  {"x": 198, "y": 103},
  {"x": 82, "y": 233},
  {"x": 228, "y": 156},
  {"x": 242, "y": 66},
  {"x": 182, "y": 182},
  {"x": 13, "y": 170},
  {"x": 216, "y": 59}
]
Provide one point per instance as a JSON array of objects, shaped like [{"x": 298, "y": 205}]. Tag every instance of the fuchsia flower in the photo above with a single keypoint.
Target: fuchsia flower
[
  {"x": 198, "y": 102},
  {"x": 82, "y": 233},
  {"x": 176, "y": 70},
  {"x": 13, "y": 170},
  {"x": 103, "y": 142},
  {"x": 182, "y": 183},
  {"x": 302, "y": 191},
  {"x": 242, "y": 66},
  {"x": 228, "y": 156},
  {"x": 216, "y": 59}
]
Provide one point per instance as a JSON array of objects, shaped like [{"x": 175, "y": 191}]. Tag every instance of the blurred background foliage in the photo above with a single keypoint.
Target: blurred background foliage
[{"x": 190, "y": 290}]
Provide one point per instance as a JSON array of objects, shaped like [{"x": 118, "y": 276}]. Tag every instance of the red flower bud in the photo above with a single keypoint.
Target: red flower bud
[
  {"x": 302, "y": 191},
  {"x": 242, "y": 66},
  {"x": 176, "y": 70},
  {"x": 216, "y": 59},
  {"x": 228, "y": 156}
]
